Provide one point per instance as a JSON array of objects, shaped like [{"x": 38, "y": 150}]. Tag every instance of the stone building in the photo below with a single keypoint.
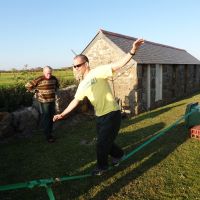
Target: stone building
[{"x": 157, "y": 75}]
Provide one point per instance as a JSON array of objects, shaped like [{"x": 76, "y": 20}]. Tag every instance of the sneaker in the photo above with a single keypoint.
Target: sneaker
[
  {"x": 98, "y": 171},
  {"x": 51, "y": 140},
  {"x": 116, "y": 161}
]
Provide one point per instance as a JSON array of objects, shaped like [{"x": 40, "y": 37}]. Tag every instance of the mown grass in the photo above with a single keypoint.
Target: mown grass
[{"x": 168, "y": 168}]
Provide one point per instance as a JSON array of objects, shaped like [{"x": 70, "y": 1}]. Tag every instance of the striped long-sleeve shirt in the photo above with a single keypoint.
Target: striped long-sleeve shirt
[{"x": 45, "y": 89}]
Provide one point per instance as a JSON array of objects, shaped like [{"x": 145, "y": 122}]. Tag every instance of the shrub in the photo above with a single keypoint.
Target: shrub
[
  {"x": 14, "y": 97},
  {"x": 66, "y": 82}
]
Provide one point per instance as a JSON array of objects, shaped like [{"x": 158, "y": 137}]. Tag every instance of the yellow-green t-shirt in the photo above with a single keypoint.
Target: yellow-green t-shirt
[{"x": 97, "y": 89}]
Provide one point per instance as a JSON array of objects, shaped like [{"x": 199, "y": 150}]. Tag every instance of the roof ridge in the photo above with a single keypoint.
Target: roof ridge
[
  {"x": 132, "y": 38},
  {"x": 117, "y": 34}
]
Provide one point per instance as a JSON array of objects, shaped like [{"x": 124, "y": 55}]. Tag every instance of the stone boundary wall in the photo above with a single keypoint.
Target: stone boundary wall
[{"x": 25, "y": 121}]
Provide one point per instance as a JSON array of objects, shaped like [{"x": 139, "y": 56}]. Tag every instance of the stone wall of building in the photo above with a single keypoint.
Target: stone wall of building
[
  {"x": 142, "y": 87},
  {"x": 102, "y": 53},
  {"x": 130, "y": 85},
  {"x": 178, "y": 81},
  {"x": 125, "y": 88},
  {"x": 124, "y": 82}
]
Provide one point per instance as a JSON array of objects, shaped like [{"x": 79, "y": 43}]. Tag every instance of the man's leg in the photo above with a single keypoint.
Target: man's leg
[
  {"x": 107, "y": 130},
  {"x": 115, "y": 150},
  {"x": 48, "y": 110},
  {"x": 38, "y": 106},
  {"x": 52, "y": 113}
]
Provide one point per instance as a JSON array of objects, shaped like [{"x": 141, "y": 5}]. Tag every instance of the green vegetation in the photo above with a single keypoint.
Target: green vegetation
[
  {"x": 168, "y": 168},
  {"x": 13, "y": 98},
  {"x": 11, "y": 78},
  {"x": 13, "y": 93}
]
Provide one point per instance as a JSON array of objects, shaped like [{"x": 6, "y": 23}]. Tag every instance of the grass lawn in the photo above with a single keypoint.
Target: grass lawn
[
  {"x": 11, "y": 78},
  {"x": 168, "y": 168}
]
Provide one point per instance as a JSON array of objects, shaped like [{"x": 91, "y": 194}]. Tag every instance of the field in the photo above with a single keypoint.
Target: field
[
  {"x": 167, "y": 168},
  {"x": 12, "y": 77}
]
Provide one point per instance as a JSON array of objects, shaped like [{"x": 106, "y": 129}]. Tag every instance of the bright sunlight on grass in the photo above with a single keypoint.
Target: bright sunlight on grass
[{"x": 168, "y": 168}]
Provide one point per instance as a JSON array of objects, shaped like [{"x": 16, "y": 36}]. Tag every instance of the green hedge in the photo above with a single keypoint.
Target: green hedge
[
  {"x": 14, "y": 97},
  {"x": 67, "y": 82}
]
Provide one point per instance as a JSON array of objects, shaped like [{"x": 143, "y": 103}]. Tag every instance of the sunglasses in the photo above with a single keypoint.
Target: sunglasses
[{"x": 79, "y": 65}]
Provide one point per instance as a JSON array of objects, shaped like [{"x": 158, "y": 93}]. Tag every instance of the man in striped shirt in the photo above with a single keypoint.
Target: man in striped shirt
[{"x": 45, "y": 87}]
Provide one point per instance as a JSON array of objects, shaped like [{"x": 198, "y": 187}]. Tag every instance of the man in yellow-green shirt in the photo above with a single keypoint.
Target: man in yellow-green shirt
[{"x": 96, "y": 88}]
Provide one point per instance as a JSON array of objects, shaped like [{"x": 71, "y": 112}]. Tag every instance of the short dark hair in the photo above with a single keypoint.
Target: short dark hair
[{"x": 84, "y": 58}]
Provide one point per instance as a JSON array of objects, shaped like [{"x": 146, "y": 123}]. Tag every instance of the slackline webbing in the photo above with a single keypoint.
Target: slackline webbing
[{"x": 47, "y": 182}]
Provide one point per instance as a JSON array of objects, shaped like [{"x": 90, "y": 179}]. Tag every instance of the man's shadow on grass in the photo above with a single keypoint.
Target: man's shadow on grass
[
  {"x": 150, "y": 114},
  {"x": 152, "y": 153}
]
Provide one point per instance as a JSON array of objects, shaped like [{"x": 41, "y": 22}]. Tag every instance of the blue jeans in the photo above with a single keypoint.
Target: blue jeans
[{"x": 47, "y": 113}]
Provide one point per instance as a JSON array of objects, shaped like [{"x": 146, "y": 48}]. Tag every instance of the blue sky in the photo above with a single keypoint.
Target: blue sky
[{"x": 43, "y": 32}]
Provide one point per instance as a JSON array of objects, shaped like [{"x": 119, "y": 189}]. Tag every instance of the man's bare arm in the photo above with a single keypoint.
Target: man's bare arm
[
  {"x": 117, "y": 65},
  {"x": 69, "y": 108}
]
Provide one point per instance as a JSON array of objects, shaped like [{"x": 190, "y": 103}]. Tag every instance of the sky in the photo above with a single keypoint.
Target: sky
[{"x": 44, "y": 32}]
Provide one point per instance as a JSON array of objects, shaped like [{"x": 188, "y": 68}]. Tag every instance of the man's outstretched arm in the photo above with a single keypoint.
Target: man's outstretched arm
[
  {"x": 69, "y": 108},
  {"x": 117, "y": 65}
]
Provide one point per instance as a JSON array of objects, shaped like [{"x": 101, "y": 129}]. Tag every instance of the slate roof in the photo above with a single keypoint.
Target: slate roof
[{"x": 150, "y": 52}]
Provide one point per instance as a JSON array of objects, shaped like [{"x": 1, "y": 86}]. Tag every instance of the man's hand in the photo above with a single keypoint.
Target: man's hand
[
  {"x": 136, "y": 45},
  {"x": 57, "y": 117},
  {"x": 67, "y": 110},
  {"x": 121, "y": 63}
]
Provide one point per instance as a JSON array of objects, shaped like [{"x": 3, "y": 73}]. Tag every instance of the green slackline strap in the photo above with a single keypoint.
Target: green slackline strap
[
  {"x": 29, "y": 184},
  {"x": 13, "y": 186},
  {"x": 45, "y": 182},
  {"x": 67, "y": 178},
  {"x": 160, "y": 133},
  {"x": 50, "y": 192},
  {"x": 40, "y": 182}
]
